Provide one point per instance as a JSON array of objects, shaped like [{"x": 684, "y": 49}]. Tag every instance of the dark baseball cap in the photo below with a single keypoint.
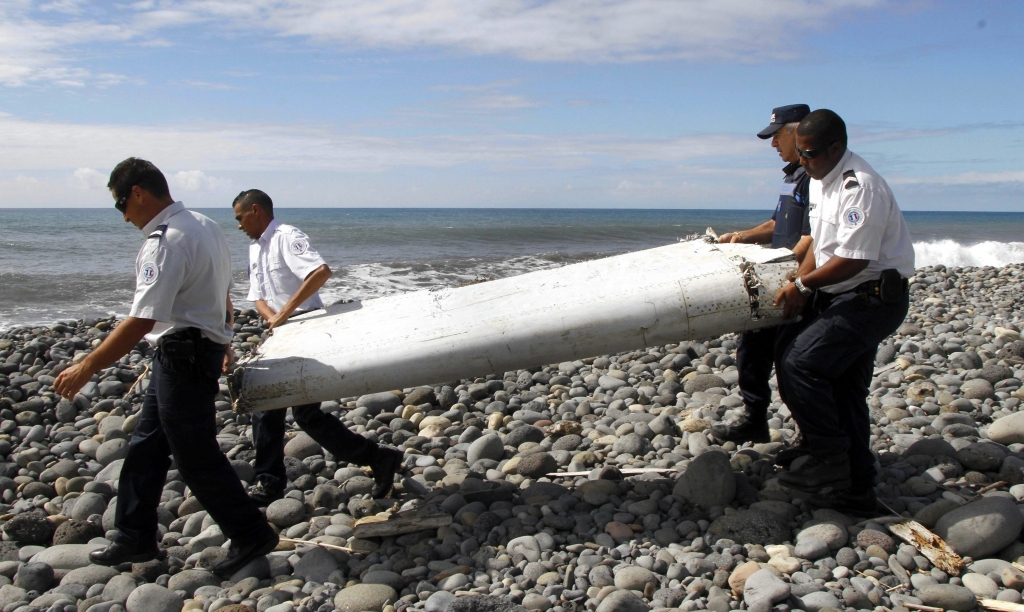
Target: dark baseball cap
[{"x": 783, "y": 115}]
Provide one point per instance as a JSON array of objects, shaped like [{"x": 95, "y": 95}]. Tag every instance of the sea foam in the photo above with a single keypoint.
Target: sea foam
[{"x": 953, "y": 254}]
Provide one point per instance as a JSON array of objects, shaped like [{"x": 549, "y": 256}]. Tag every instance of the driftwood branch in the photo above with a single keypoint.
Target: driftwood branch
[
  {"x": 377, "y": 527},
  {"x": 931, "y": 546},
  {"x": 320, "y": 544},
  {"x": 1000, "y": 606}
]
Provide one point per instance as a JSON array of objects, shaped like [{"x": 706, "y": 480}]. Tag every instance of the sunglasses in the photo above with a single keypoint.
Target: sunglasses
[
  {"x": 813, "y": 153},
  {"x": 122, "y": 203}
]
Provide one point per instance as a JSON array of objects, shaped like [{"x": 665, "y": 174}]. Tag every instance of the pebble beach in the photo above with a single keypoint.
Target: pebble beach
[{"x": 659, "y": 515}]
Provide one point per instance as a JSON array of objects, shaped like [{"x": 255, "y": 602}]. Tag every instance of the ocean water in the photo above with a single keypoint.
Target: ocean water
[{"x": 68, "y": 264}]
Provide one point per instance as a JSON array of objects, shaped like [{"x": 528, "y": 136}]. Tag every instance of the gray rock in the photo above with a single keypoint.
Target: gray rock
[
  {"x": 112, "y": 450},
  {"x": 34, "y": 577},
  {"x": 119, "y": 588},
  {"x": 316, "y": 565},
  {"x": 811, "y": 548},
  {"x": 634, "y": 578},
  {"x": 981, "y": 528},
  {"x": 89, "y": 575},
  {"x": 29, "y": 529},
  {"x": 707, "y": 482},
  {"x": 190, "y": 580},
  {"x": 88, "y": 504},
  {"x": 391, "y": 579},
  {"x": 814, "y": 602},
  {"x": 153, "y": 598},
  {"x": 77, "y": 532},
  {"x": 978, "y": 388},
  {"x": 10, "y": 594},
  {"x": 523, "y": 433},
  {"x": 1008, "y": 429},
  {"x": 364, "y": 598},
  {"x": 948, "y": 597},
  {"x": 610, "y": 383},
  {"x": 376, "y": 403},
  {"x": 525, "y": 545},
  {"x": 483, "y": 603},
  {"x": 702, "y": 382},
  {"x": 439, "y": 601},
  {"x": 66, "y": 556},
  {"x": 835, "y": 536},
  {"x": 285, "y": 512},
  {"x": 487, "y": 447},
  {"x": 764, "y": 587},
  {"x": 302, "y": 446},
  {"x": 633, "y": 444},
  {"x": 750, "y": 527},
  {"x": 537, "y": 465},
  {"x": 622, "y": 601}
]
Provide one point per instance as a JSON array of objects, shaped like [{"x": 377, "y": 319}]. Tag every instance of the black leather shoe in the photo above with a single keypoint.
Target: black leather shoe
[
  {"x": 262, "y": 495},
  {"x": 386, "y": 463},
  {"x": 240, "y": 555},
  {"x": 816, "y": 472},
  {"x": 855, "y": 502},
  {"x": 787, "y": 456},
  {"x": 748, "y": 430},
  {"x": 117, "y": 554}
]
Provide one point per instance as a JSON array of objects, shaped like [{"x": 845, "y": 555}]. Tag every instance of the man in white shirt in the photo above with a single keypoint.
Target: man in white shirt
[
  {"x": 864, "y": 256},
  {"x": 285, "y": 276},
  {"x": 181, "y": 306}
]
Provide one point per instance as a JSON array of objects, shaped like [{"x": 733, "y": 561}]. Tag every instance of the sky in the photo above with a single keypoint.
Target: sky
[{"x": 504, "y": 103}]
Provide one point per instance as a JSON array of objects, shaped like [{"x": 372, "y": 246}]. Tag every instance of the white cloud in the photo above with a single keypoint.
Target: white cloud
[
  {"x": 89, "y": 179},
  {"x": 36, "y": 145},
  {"x": 37, "y": 47},
  {"x": 194, "y": 180},
  {"x": 963, "y": 178}
]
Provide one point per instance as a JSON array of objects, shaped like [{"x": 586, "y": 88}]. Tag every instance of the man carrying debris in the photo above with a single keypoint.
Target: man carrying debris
[
  {"x": 864, "y": 256},
  {"x": 285, "y": 276},
  {"x": 788, "y": 228}
]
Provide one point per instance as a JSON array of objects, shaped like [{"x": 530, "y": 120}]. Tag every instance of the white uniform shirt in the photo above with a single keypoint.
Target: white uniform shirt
[
  {"x": 279, "y": 261},
  {"x": 183, "y": 275},
  {"x": 854, "y": 215}
]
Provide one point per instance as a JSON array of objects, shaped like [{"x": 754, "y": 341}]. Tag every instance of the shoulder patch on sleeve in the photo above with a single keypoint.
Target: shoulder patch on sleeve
[
  {"x": 148, "y": 273},
  {"x": 853, "y": 217},
  {"x": 298, "y": 246}
]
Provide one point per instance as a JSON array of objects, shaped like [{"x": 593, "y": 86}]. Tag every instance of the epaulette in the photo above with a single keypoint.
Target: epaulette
[
  {"x": 850, "y": 184},
  {"x": 158, "y": 233}
]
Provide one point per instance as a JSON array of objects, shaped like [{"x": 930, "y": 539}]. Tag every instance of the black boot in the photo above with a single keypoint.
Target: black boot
[
  {"x": 239, "y": 555},
  {"x": 816, "y": 472},
  {"x": 787, "y": 456},
  {"x": 750, "y": 429},
  {"x": 262, "y": 495},
  {"x": 855, "y": 501},
  {"x": 385, "y": 464},
  {"x": 118, "y": 553}
]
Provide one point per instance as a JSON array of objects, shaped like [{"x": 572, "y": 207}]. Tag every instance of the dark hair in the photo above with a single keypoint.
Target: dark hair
[
  {"x": 134, "y": 171},
  {"x": 255, "y": 196},
  {"x": 824, "y": 127}
]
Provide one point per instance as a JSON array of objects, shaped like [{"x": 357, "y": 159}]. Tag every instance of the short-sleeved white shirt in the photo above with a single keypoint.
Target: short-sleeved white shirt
[
  {"x": 854, "y": 215},
  {"x": 279, "y": 261},
  {"x": 183, "y": 275}
]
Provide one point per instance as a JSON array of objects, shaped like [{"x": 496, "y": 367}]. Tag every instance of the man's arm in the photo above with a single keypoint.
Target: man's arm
[
  {"x": 756, "y": 235},
  {"x": 229, "y": 354},
  {"x": 802, "y": 248},
  {"x": 123, "y": 339},
  {"x": 314, "y": 280},
  {"x": 265, "y": 310},
  {"x": 837, "y": 270}
]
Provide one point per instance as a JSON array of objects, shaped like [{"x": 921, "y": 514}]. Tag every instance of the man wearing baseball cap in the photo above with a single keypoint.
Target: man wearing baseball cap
[{"x": 788, "y": 228}]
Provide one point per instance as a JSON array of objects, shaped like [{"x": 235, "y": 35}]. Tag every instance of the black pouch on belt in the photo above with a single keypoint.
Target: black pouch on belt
[
  {"x": 891, "y": 286},
  {"x": 179, "y": 345}
]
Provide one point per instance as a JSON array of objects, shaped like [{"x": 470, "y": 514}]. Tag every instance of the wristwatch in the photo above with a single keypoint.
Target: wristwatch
[{"x": 802, "y": 288}]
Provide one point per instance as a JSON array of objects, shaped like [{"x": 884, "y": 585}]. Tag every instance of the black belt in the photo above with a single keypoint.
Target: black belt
[
  {"x": 889, "y": 283},
  {"x": 183, "y": 343}
]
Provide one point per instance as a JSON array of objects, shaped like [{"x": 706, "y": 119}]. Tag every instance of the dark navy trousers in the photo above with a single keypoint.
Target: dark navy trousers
[
  {"x": 330, "y": 433},
  {"x": 755, "y": 357},
  {"x": 827, "y": 362},
  {"x": 178, "y": 419}
]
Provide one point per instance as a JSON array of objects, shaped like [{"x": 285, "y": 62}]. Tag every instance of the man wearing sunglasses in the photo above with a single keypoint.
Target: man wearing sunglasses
[
  {"x": 789, "y": 228},
  {"x": 285, "y": 275},
  {"x": 181, "y": 307},
  {"x": 864, "y": 256}
]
